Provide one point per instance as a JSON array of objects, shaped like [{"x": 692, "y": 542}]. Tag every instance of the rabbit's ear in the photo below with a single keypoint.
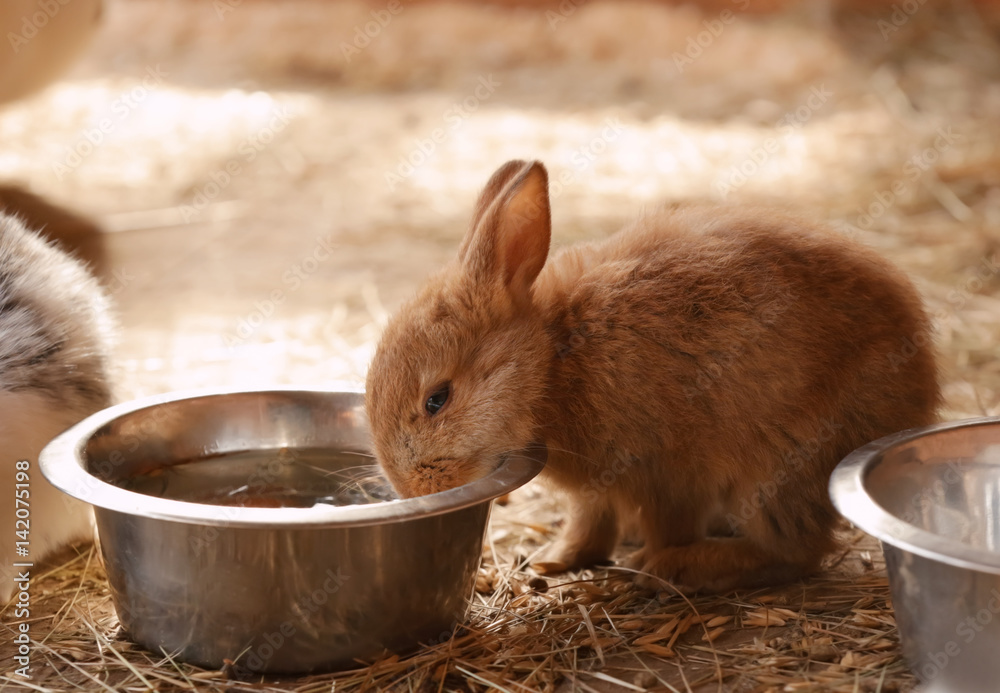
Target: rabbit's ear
[
  {"x": 498, "y": 181},
  {"x": 509, "y": 239}
]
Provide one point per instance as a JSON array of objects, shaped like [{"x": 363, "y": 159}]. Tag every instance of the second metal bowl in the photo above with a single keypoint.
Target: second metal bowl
[{"x": 932, "y": 496}]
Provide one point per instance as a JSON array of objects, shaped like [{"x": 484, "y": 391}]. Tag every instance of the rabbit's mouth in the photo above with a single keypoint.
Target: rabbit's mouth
[
  {"x": 440, "y": 474},
  {"x": 444, "y": 473}
]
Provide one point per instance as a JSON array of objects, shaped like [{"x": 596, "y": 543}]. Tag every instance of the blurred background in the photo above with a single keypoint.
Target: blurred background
[{"x": 259, "y": 183}]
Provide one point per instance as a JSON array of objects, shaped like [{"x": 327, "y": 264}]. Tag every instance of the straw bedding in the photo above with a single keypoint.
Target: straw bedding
[{"x": 885, "y": 127}]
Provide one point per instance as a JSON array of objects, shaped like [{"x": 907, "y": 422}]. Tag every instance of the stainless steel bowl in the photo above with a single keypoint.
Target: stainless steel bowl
[
  {"x": 272, "y": 589},
  {"x": 932, "y": 496}
]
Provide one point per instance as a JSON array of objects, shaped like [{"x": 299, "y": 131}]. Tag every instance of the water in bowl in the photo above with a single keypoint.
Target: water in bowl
[{"x": 282, "y": 478}]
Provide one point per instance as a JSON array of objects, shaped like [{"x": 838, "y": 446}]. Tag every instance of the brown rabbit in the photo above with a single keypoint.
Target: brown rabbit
[{"x": 701, "y": 372}]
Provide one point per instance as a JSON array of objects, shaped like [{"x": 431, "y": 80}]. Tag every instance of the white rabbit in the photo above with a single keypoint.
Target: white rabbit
[{"x": 55, "y": 330}]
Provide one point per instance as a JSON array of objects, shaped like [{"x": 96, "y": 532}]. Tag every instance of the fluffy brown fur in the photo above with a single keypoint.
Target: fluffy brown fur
[{"x": 704, "y": 370}]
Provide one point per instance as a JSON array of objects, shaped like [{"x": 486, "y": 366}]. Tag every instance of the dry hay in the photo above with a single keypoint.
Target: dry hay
[
  {"x": 584, "y": 631},
  {"x": 581, "y": 631}
]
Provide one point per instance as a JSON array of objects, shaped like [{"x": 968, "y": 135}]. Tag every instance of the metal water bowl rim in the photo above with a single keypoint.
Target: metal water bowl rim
[
  {"x": 63, "y": 462},
  {"x": 851, "y": 497}
]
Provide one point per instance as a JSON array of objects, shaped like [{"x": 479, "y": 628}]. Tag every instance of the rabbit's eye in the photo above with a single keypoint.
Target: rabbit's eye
[{"x": 437, "y": 399}]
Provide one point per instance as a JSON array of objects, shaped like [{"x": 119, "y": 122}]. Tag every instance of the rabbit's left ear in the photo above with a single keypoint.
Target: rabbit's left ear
[{"x": 509, "y": 239}]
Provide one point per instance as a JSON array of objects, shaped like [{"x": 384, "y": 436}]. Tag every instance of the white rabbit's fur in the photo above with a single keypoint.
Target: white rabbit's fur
[{"x": 54, "y": 334}]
